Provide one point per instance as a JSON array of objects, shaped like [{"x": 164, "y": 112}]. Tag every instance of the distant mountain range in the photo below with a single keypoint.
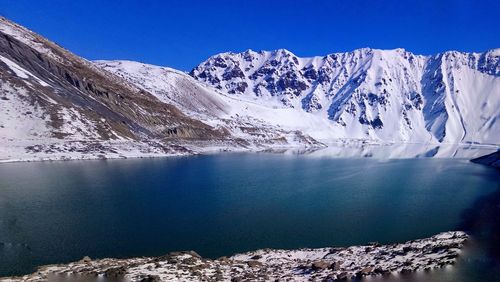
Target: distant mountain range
[
  {"x": 56, "y": 105},
  {"x": 388, "y": 95}
]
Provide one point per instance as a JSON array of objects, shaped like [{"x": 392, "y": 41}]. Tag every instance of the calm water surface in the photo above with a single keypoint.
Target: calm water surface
[{"x": 54, "y": 212}]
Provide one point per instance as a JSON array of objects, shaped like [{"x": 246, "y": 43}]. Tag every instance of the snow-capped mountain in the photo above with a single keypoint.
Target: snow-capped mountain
[
  {"x": 252, "y": 124},
  {"x": 54, "y": 104},
  {"x": 386, "y": 95}
]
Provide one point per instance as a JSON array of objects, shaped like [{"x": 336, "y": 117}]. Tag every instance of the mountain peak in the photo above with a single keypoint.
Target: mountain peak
[{"x": 366, "y": 88}]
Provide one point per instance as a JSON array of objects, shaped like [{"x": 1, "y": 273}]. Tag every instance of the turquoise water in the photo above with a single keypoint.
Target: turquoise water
[{"x": 54, "y": 212}]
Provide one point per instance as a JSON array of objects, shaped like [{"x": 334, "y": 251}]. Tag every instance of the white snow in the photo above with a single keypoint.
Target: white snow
[
  {"x": 270, "y": 264},
  {"x": 212, "y": 106},
  {"x": 400, "y": 72},
  {"x": 451, "y": 97},
  {"x": 287, "y": 102},
  {"x": 25, "y": 36},
  {"x": 20, "y": 72}
]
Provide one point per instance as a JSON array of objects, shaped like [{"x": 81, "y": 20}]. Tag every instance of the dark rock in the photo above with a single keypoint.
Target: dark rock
[
  {"x": 220, "y": 62},
  {"x": 407, "y": 249},
  {"x": 303, "y": 267},
  {"x": 254, "y": 263},
  {"x": 330, "y": 277},
  {"x": 224, "y": 260},
  {"x": 335, "y": 265},
  {"x": 406, "y": 271},
  {"x": 310, "y": 74},
  {"x": 342, "y": 276},
  {"x": 116, "y": 272},
  {"x": 233, "y": 73},
  {"x": 377, "y": 123},
  {"x": 189, "y": 261},
  {"x": 492, "y": 159},
  {"x": 151, "y": 278},
  {"x": 86, "y": 259},
  {"x": 438, "y": 249},
  {"x": 320, "y": 265},
  {"x": 380, "y": 270},
  {"x": 256, "y": 257},
  {"x": 365, "y": 271}
]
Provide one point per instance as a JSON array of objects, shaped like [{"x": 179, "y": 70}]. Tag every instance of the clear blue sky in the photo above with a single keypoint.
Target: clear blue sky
[{"x": 181, "y": 34}]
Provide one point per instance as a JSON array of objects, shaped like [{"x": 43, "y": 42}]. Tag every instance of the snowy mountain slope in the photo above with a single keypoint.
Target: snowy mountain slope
[
  {"x": 170, "y": 86},
  {"x": 54, "y": 103},
  {"x": 255, "y": 125},
  {"x": 384, "y": 95}
]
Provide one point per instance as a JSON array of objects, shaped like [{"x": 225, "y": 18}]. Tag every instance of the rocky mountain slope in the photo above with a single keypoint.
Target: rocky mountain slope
[
  {"x": 252, "y": 124},
  {"x": 56, "y": 105},
  {"x": 385, "y": 95}
]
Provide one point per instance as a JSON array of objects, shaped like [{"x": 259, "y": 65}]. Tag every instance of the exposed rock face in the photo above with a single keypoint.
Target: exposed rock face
[
  {"x": 64, "y": 97},
  {"x": 392, "y": 95},
  {"x": 492, "y": 159},
  {"x": 238, "y": 117},
  {"x": 57, "y": 79},
  {"x": 56, "y": 105},
  {"x": 264, "y": 265}
]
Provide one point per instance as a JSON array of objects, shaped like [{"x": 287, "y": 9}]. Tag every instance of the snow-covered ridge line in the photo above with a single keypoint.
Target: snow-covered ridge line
[
  {"x": 269, "y": 264},
  {"x": 257, "y": 126},
  {"x": 56, "y": 105},
  {"x": 494, "y": 51},
  {"x": 51, "y": 49},
  {"x": 386, "y": 95},
  {"x": 249, "y": 101}
]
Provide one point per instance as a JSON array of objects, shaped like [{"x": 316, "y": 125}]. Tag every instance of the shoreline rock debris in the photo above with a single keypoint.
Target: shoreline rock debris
[{"x": 321, "y": 264}]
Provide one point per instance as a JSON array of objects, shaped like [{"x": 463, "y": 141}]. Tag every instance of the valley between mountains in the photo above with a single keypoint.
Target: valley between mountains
[{"x": 55, "y": 105}]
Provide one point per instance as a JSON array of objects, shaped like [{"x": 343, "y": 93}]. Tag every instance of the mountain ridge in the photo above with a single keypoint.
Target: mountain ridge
[
  {"x": 57, "y": 105},
  {"x": 363, "y": 84}
]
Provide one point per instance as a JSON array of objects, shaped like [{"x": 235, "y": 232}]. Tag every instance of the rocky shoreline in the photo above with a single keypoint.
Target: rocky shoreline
[
  {"x": 492, "y": 159},
  {"x": 322, "y": 264}
]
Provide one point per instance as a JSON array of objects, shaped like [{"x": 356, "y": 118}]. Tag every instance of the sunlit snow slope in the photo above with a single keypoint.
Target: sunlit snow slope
[
  {"x": 385, "y": 95},
  {"x": 56, "y": 105},
  {"x": 254, "y": 124}
]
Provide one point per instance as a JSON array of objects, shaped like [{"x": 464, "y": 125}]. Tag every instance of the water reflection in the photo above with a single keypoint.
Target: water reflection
[
  {"x": 393, "y": 151},
  {"x": 482, "y": 220},
  {"x": 480, "y": 259},
  {"x": 56, "y": 212}
]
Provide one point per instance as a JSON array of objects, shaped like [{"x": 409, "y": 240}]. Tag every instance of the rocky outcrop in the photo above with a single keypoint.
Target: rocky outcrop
[
  {"x": 209, "y": 106},
  {"x": 56, "y": 105},
  {"x": 55, "y": 79},
  {"x": 387, "y": 94},
  {"x": 50, "y": 97},
  {"x": 325, "y": 264},
  {"x": 492, "y": 159}
]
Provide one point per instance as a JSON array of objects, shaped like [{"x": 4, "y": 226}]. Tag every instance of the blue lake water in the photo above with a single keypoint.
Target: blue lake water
[{"x": 55, "y": 212}]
